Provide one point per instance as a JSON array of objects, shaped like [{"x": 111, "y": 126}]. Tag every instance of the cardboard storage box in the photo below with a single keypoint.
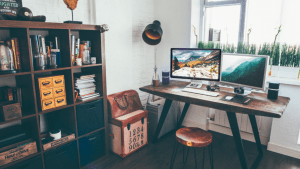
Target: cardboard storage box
[{"x": 17, "y": 151}]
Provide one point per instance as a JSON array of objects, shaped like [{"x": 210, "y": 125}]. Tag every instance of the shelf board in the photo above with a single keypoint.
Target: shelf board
[
  {"x": 90, "y": 133},
  {"x": 92, "y": 99},
  {"x": 54, "y": 109},
  {"x": 46, "y": 25},
  {"x": 52, "y": 70},
  {"x": 91, "y": 65},
  {"x": 15, "y": 74},
  {"x": 13, "y": 120}
]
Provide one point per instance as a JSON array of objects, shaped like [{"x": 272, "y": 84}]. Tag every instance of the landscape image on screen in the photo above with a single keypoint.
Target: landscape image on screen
[
  {"x": 202, "y": 64},
  {"x": 244, "y": 70}
]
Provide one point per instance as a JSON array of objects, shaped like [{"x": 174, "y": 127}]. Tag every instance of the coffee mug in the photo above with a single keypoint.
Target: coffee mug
[
  {"x": 79, "y": 62},
  {"x": 93, "y": 60}
]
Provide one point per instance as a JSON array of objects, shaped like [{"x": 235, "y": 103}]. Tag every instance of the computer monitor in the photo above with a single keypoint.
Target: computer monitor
[
  {"x": 194, "y": 63},
  {"x": 243, "y": 70}
]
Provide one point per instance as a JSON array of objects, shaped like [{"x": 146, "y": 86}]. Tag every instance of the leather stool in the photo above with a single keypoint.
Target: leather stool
[{"x": 193, "y": 137}]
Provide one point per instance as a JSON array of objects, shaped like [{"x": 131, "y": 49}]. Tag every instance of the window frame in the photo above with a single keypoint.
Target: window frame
[{"x": 203, "y": 20}]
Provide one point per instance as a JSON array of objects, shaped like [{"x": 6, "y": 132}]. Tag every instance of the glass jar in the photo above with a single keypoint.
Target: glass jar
[{"x": 52, "y": 61}]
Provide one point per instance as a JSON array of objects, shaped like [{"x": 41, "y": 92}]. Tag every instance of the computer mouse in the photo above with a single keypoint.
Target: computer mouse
[{"x": 228, "y": 97}]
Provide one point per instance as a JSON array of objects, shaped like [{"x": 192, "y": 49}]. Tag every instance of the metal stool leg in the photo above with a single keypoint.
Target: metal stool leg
[
  {"x": 195, "y": 158},
  {"x": 211, "y": 156},
  {"x": 184, "y": 161},
  {"x": 176, "y": 145},
  {"x": 203, "y": 157}
]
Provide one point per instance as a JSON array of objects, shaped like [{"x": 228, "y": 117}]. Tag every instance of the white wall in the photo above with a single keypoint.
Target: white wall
[
  {"x": 57, "y": 11},
  {"x": 129, "y": 60},
  {"x": 175, "y": 18},
  {"x": 285, "y": 130}
]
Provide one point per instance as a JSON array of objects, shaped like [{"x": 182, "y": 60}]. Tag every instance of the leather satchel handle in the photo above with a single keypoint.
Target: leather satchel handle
[
  {"x": 58, "y": 81},
  {"x": 59, "y": 101},
  {"x": 46, "y": 94},
  {"x": 59, "y": 91},
  {"x": 47, "y": 104},
  {"x": 119, "y": 100},
  {"x": 45, "y": 83}
]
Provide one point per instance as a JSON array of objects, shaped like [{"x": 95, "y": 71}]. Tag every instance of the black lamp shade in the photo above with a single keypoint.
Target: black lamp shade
[{"x": 153, "y": 33}]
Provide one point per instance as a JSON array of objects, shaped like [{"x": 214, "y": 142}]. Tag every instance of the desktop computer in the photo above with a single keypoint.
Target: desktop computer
[
  {"x": 241, "y": 70},
  {"x": 196, "y": 64}
]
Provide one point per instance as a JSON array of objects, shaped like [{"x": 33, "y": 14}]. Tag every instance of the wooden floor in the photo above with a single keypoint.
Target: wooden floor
[{"x": 158, "y": 156}]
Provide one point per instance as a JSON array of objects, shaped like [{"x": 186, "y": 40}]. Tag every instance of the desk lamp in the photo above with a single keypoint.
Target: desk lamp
[{"x": 152, "y": 36}]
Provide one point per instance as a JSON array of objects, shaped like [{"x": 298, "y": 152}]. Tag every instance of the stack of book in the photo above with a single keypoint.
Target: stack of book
[
  {"x": 85, "y": 86},
  {"x": 13, "y": 44}
]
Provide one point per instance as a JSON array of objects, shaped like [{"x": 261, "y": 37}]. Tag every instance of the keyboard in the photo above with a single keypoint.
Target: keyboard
[{"x": 199, "y": 91}]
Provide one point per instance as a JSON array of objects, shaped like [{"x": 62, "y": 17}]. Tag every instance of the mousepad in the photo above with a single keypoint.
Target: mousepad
[{"x": 238, "y": 99}]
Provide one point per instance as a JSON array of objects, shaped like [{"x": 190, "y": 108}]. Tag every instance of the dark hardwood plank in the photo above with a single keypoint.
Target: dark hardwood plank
[
  {"x": 259, "y": 106},
  {"x": 225, "y": 156}
]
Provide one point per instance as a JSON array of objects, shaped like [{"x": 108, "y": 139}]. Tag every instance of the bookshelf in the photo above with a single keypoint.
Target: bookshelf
[{"x": 26, "y": 80}]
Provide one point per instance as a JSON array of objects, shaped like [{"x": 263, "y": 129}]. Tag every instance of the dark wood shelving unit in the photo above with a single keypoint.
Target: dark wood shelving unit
[{"x": 26, "y": 79}]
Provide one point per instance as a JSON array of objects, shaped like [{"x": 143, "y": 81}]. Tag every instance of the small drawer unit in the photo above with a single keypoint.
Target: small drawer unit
[
  {"x": 91, "y": 147},
  {"x": 52, "y": 91},
  {"x": 33, "y": 163},
  {"x": 90, "y": 113},
  {"x": 63, "y": 157}
]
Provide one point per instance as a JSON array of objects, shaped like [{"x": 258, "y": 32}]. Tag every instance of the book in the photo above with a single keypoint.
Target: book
[
  {"x": 88, "y": 97},
  {"x": 14, "y": 53},
  {"x": 84, "y": 81},
  {"x": 34, "y": 44},
  {"x": 43, "y": 45},
  {"x": 18, "y": 58},
  {"x": 77, "y": 48},
  {"x": 73, "y": 49},
  {"x": 81, "y": 86}
]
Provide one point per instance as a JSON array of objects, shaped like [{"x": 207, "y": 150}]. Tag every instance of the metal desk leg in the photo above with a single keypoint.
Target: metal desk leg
[
  {"x": 163, "y": 116},
  {"x": 237, "y": 138},
  {"x": 185, "y": 109},
  {"x": 256, "y": 133},
  {"x": 257, "y": 140}
]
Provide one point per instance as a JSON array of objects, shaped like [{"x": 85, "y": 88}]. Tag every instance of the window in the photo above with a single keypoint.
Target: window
[{"x": 250, "y": 26}]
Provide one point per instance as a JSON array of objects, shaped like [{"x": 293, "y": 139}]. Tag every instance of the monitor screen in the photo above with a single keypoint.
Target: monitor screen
[
  {"x": 244, "y": 70},
  {"x": 199, "y": 64}
]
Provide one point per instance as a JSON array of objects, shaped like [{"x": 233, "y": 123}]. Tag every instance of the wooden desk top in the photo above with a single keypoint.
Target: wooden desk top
[{"x": 260, "y": 104}]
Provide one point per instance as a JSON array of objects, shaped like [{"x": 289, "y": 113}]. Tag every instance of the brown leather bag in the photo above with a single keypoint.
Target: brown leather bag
[{"x": 123, "y": 103}]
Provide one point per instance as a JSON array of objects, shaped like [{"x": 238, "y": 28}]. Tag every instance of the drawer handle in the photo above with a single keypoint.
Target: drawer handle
[
  {"x": 46, "y": 94},
  {"x": 59, "y": 101},
  {"x": 47, "y": 104},
  {"x": 58, "y": 81},
  {"x": 59, "y": 91},
  {"x": 45, "y": 83},
  {"x": 61, "y": 152},
  {"x": 91, "y": 139},
  {"x": 91, "y": 107}
]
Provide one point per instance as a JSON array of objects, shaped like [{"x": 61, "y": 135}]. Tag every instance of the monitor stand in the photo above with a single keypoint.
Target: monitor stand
[
  {"x": 240, "y": 91},
  {"x": 195, "y": 84}
]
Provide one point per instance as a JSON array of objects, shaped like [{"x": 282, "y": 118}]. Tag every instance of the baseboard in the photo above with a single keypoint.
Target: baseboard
[
  {"x": 190, "y": 123},
  {"x": 285, "y": 150},
  {"x": 246, "y": 136}
]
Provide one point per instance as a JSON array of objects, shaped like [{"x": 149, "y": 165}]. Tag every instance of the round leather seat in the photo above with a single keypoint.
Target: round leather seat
[{"x": 193, "y": 137}]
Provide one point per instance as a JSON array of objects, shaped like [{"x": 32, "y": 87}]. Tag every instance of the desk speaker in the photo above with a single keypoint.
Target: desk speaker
[{"x": 273, "y": 91}]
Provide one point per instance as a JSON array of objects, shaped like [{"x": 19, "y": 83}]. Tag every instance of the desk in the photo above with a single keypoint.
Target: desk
[{"x": 260, "y": 105}]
